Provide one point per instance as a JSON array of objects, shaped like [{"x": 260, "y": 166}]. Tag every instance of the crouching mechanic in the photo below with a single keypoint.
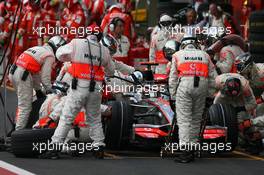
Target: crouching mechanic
[
  {"x": 59, "y": 90},
  {"x": 90, "y": 62},
  {"x": 190, "y": 74},
  {"x": 29, "y": 71},
  {"x": 50, "y": 112},
  {"x": 234, "y": 89},
  {"x": 255, "y": 75}
]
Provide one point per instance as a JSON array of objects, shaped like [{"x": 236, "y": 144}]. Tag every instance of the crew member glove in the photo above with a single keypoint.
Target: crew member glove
[
  {"x": 245, "y": 125},
  {"x": 137, "y": 76},
  {"x": 46, "y": 122},
  {"x": 40, "y": 94}
]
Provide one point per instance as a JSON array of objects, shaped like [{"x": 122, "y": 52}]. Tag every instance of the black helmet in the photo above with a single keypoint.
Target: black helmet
[
  {"x": 55, "y": 42},
  {"x": 109, "y": 42},
  {"x": 232, "y": 87},
  {"x": 60, "y": 88},
  {"x": 170, "y": 48},
  {"x": 243, "y": 61}
]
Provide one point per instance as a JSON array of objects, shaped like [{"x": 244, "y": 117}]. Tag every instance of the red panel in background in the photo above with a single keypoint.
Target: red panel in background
[
  {"x": 139, "y": 52},
  {"x": 238, "y": 4}
]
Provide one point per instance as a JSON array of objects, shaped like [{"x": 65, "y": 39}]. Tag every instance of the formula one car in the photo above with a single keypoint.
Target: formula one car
[
  {"x": 151, "y": 120},
  {"x": 144, "y": 119}
]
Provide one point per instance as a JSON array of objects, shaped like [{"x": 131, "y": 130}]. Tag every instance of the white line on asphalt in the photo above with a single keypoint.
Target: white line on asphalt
[{"x": 14, "y": 169}]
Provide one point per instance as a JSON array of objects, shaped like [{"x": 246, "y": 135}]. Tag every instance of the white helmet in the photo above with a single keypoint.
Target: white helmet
[
  {"x": 189, "y": 39},
  {"x": 170, "y": 47},
  {"x": 137, "y": 76},
  {"x": 165, "y": 21},
  {"x": 55, "y": 42}
]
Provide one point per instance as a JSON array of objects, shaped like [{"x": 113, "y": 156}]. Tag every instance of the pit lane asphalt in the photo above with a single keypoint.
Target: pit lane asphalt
[{"x": 132, "y": 162}]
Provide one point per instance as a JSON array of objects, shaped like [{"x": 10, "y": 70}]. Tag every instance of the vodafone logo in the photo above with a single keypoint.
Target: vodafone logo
[
  {"x": 22, "y": 56},
  {"x": 193, "y": 66}
]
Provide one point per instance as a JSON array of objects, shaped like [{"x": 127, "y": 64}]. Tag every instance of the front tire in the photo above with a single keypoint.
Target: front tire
[
  {"x": 119, "y": 126},
  {"x": 224, "y": 115},
  {"x": 23, "y": 141}
]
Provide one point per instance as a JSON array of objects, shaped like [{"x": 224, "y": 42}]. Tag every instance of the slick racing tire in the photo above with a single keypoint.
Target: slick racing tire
[
  {"x": 224, "y": 115},
  {"x": 23, "y": 142},
  {"x": 34, "y": 114},
  {"x": 119, "y": 126},
  {"x": 256, "y": 22},
  {"x": 256, "y": 43}
]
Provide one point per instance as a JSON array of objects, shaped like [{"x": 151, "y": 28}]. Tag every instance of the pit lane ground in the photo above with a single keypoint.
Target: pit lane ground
[{"x": 134, "y": 162}]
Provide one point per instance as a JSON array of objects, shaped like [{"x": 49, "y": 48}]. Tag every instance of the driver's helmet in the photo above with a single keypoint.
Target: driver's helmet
[
  {"x": 60, "y": 88},
  {"x": 189, "y": 39}
]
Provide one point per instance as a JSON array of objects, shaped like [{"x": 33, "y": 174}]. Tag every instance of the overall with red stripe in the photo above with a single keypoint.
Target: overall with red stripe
[
  {"x": 190, "y": 76},
  {"x": 89, "y": 61},
  {"x": 32, "y": 68}
]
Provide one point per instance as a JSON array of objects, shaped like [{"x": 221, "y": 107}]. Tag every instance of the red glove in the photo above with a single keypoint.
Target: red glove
[
  {"x": 259, "y": 100},
  {"x": 245, "y": 124},
  {"x": 46, "y": 122}
]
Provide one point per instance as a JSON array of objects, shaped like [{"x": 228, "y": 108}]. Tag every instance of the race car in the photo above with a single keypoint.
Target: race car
[
  {"x": 139, "y": 118},
  {"x": 151, "y": 121}
]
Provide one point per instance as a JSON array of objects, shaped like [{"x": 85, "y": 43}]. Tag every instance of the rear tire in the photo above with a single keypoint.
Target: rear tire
[
  {"x": 118, "y": 128},
  {"x": 22, "y": 141},
  {"x": 224, "y": 115}
]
